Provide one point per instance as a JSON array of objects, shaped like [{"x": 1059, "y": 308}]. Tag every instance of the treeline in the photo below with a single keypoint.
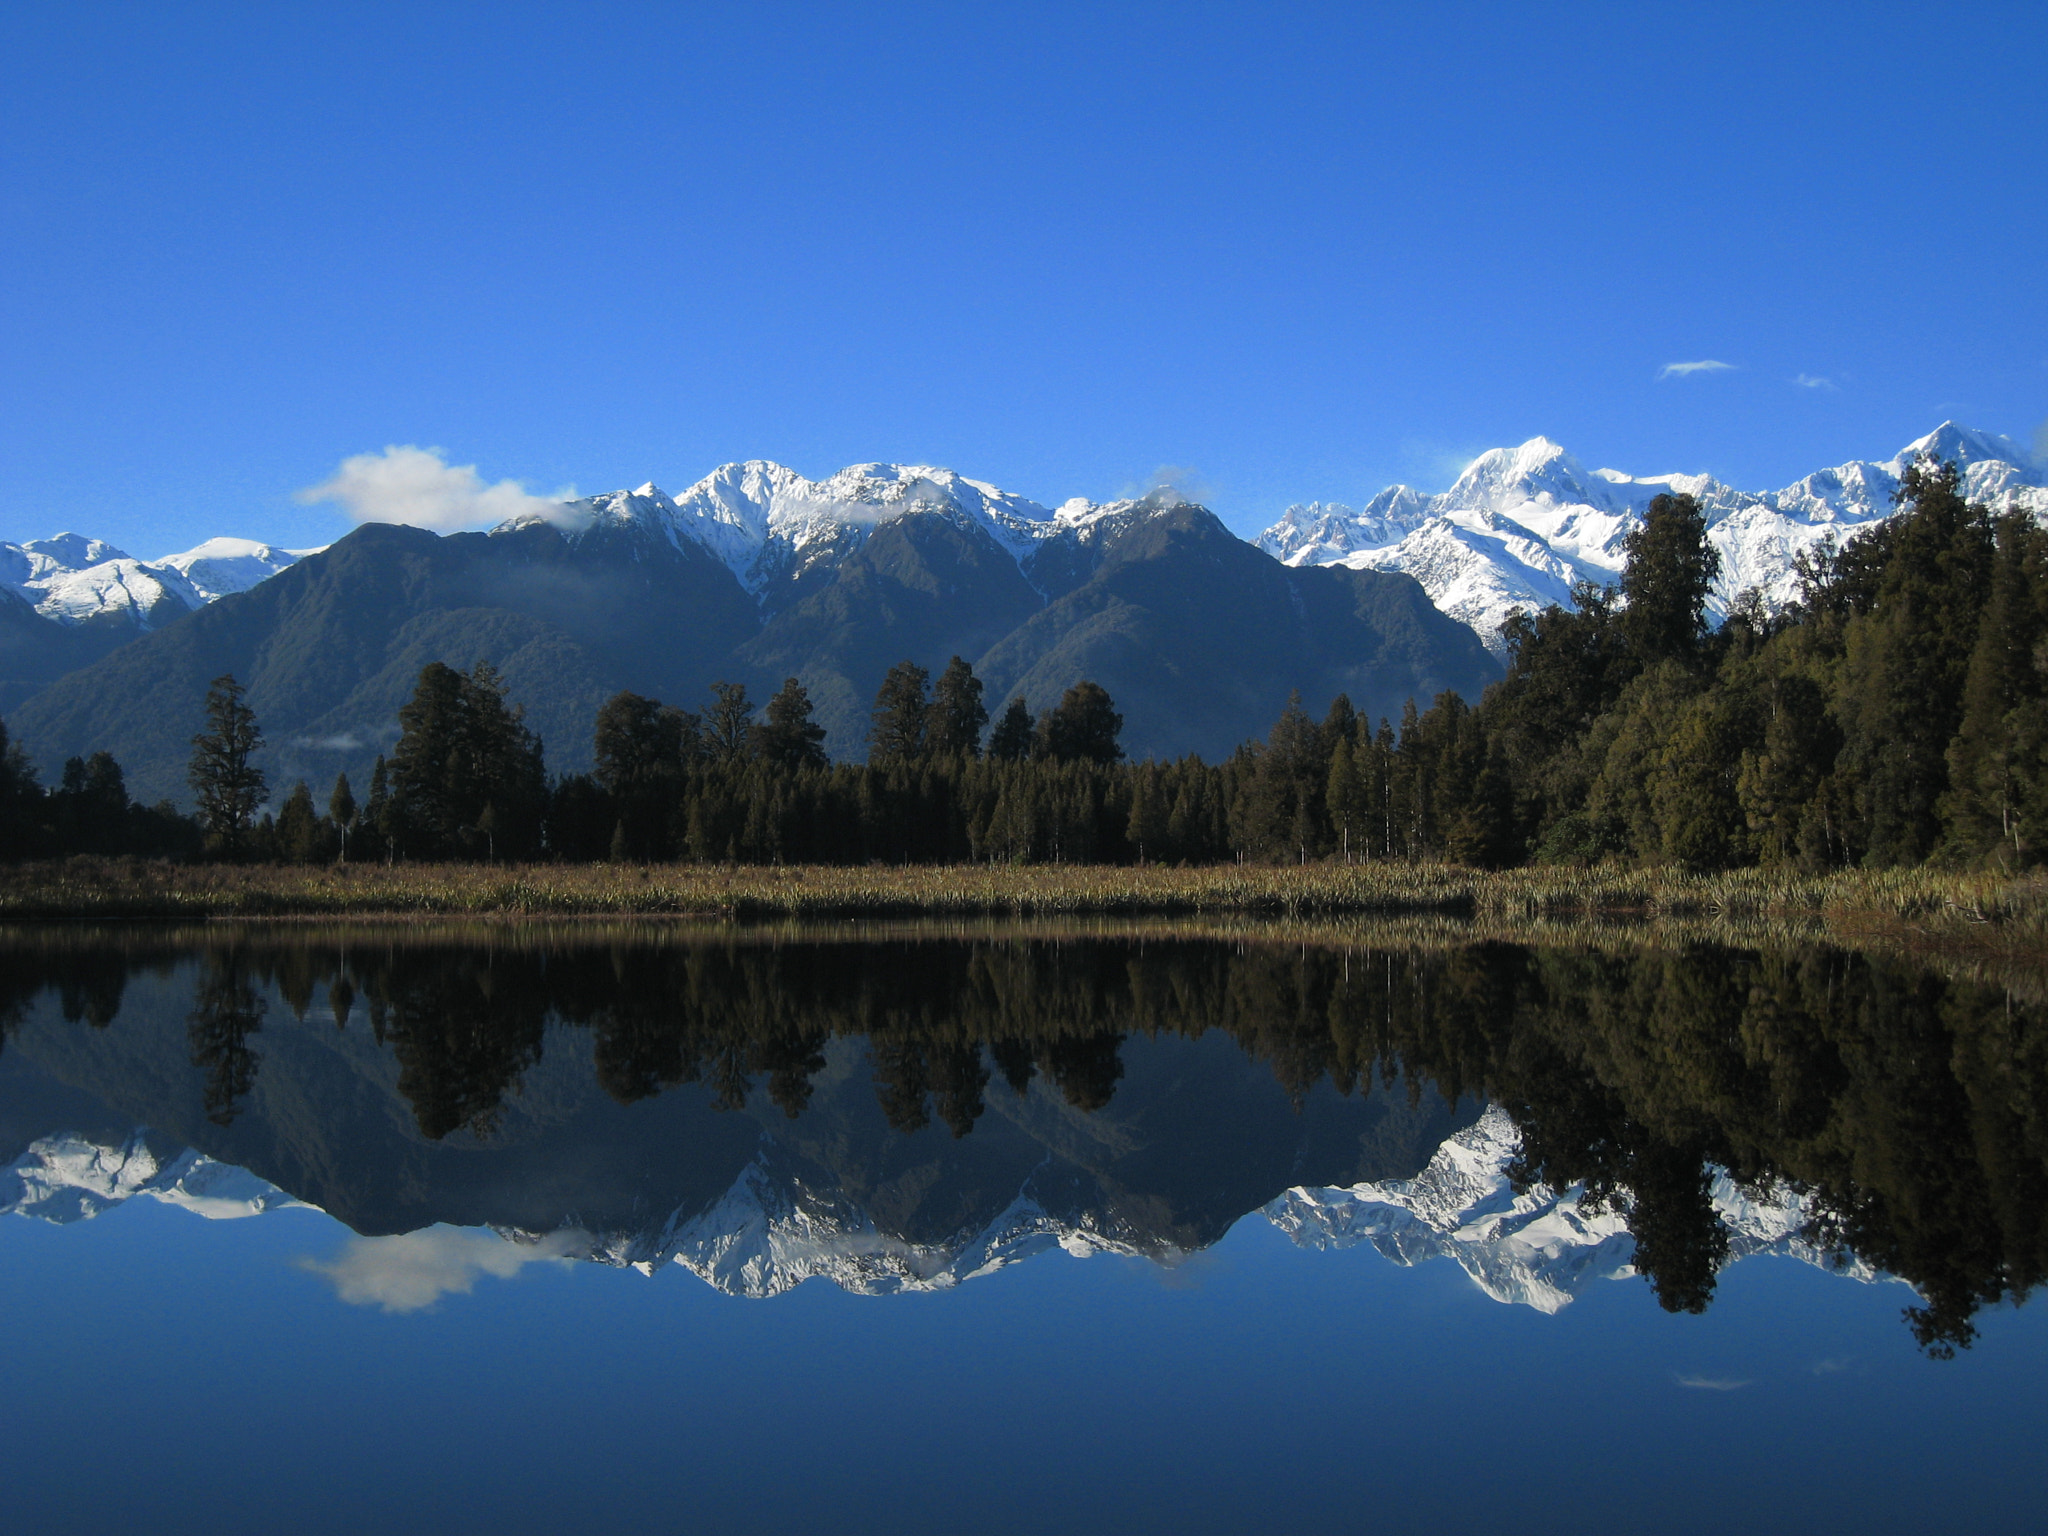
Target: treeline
[{"x": 1897, "y": 713}]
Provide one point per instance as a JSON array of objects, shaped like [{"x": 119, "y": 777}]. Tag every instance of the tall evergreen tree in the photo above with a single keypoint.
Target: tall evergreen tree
[
  {"x": 462, "y": 752},
  {"x": 20, "y": 796},
  {"x": 1670, "y": 572},
  {"x": 957, "y": 716},
  {"x": 789, "y": 738},
  {"x": 641, "y": 747},
  {"x": 299, "y": 839},
  {"x": 1010, "y": 741},
  {"x": 728, "y": 728},
  {"x": 1083, "y": 728},
  {"x": 228, "y": 787},
  {"x": 341, "y": 810},
  {"x": 900, "y": 715}
]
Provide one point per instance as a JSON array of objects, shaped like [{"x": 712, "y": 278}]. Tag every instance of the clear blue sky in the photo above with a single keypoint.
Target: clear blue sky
[{"x": 1297, "y": 251}]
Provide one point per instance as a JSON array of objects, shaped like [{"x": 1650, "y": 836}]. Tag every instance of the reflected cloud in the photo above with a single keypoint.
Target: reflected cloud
[
  {"x": 1712, "y": 1383},
  {"x": 412, "y": 1271}
]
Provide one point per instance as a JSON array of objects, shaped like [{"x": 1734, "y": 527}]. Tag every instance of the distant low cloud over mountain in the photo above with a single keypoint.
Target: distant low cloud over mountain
[{"x": 419, "y": 488}]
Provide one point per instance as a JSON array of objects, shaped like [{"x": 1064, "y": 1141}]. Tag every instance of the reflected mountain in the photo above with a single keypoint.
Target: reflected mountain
[{"x": 903, "y": 1113}]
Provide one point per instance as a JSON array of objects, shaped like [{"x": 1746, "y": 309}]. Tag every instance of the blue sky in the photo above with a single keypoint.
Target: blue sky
[{"x": 1295, "y": 251}]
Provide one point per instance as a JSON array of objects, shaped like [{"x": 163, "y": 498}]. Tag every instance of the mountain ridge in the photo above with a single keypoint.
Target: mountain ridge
[{"x": 1521, "y": 525}]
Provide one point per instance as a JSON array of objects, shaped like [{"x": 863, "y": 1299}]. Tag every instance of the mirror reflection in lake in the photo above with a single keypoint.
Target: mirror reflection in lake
[{"x": 1614, "y": 1135}]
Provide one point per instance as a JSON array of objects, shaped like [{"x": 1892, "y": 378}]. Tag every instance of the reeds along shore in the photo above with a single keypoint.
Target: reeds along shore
[{"x": 1982, "y": 909}]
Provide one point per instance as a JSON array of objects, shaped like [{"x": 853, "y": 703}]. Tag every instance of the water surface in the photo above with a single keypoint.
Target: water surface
[{"x": 1102, "y": 1230}]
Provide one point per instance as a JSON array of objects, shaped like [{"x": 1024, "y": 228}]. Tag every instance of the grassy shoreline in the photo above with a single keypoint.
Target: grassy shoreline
[{"x": 1985, "y": 910}]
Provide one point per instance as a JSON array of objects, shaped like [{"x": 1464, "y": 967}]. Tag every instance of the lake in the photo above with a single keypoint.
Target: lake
[{"x": 1014, "y": 1228}]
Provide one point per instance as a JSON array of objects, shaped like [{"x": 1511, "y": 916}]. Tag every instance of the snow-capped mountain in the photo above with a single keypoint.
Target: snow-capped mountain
[
  {"x": 76, "y": 580},
  {"x": 1537, "y": 1249},
  {"x": 1521, "y": 525},
  {"x": 772, "y": 527},
  {"x": 73, "y": 1178},
  {"x": 771, "y": 1231}
]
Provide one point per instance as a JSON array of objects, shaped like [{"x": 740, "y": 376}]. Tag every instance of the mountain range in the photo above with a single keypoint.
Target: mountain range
[
  {"x": 773, "y": 1229},
  {"x": 1522, "y": 525},
  {"x": 755, "y": 574}
]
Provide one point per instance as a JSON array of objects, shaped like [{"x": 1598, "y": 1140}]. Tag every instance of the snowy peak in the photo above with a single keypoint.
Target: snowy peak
[
  {"x": 74, "y": 1178},
  {"x": 1540, "y": 1248},
  {"x": 1968, "y": 447},
  {"x": 768, "y": 524},
  {"x": 1520, "y": 525},
  {"x": 1539, "y": 473},
  {"x": 221, "y": 566},
  {"x": 76, "y": 580},
  {"x": 71, "y": 552}
]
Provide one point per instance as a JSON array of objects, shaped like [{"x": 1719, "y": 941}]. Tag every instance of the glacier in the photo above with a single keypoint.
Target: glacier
[{"x": 1521, "y": 525}]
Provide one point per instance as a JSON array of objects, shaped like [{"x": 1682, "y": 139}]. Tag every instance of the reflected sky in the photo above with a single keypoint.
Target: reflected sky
[
  {"x": 191, "y": 1375},
  {"x": 1130, "y": 1272}
]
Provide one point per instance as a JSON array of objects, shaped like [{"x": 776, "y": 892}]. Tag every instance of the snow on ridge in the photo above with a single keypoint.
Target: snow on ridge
[
  {"x": 75, "y": 580},
  {"x": 1540, "y": 1248},
  {"x": 1579, "y": 519},
  {"x": 770, "y": 1231},
  {"x": 69, "y": 1178}
]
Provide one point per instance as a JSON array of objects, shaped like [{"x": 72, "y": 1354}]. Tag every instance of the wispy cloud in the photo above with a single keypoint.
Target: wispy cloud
[
  {"x": 1712, "y": 1383},
  {"x": 1172, "y": 484},
  {"x": 1813, "y": 381},
  {"x": 1833, "y": 1366},
  {"x": 345, "y": 742},
  {"x": 420, "y": 488},
  {"x": 1686, "y": 370},
  {"x": 416, "y": 1269}
]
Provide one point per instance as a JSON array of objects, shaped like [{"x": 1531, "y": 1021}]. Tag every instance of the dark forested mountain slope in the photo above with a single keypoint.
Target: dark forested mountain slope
[
  {"x": 330, "y": 648},
  {"x": 1198, "y": 636}
]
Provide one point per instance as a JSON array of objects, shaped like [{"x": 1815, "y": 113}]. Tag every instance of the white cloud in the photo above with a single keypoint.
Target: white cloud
[
  {"x": 1686, "y": 370},
  {"x": 420, "y": 488},
  {"x": 1814, "y": 381},
  {"x": 416, "y": 1269},
  {"x": 1711, "y": 1383}
]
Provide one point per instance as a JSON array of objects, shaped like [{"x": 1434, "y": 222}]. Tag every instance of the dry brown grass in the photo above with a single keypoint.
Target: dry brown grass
[{"x": 1989, "y": 912}]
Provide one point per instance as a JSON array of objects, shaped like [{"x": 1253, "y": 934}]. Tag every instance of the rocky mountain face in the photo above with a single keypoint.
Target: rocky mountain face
[{"x": 1521, "y": 525}]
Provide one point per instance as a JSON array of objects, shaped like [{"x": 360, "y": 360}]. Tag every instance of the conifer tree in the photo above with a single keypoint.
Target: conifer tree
[
  {"x": 1344, "y": 795},
  {"x": 298, "y": 827},
  {"x": 956, "y": 718},
  {"x": 19, "y": 796},
  {"x": 1671, "y": 570},
  {"x": 1010, "y": 741},
  {"x": 228, "y": 787},
  {"x": 900, "y": 715},
  {"x": 728, "y": 727},
  {"x": 341, "y": 810},
  {"x": 789, "y": 738},
  {"x": 1083, "y": 728}
]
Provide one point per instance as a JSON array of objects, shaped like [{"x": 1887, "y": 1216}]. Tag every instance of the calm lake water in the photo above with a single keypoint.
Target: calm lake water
[{"x": 540, "y": 1229}]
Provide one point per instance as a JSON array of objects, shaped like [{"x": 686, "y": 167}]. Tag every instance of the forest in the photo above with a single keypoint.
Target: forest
[{"x": 1896, "y": 714}]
